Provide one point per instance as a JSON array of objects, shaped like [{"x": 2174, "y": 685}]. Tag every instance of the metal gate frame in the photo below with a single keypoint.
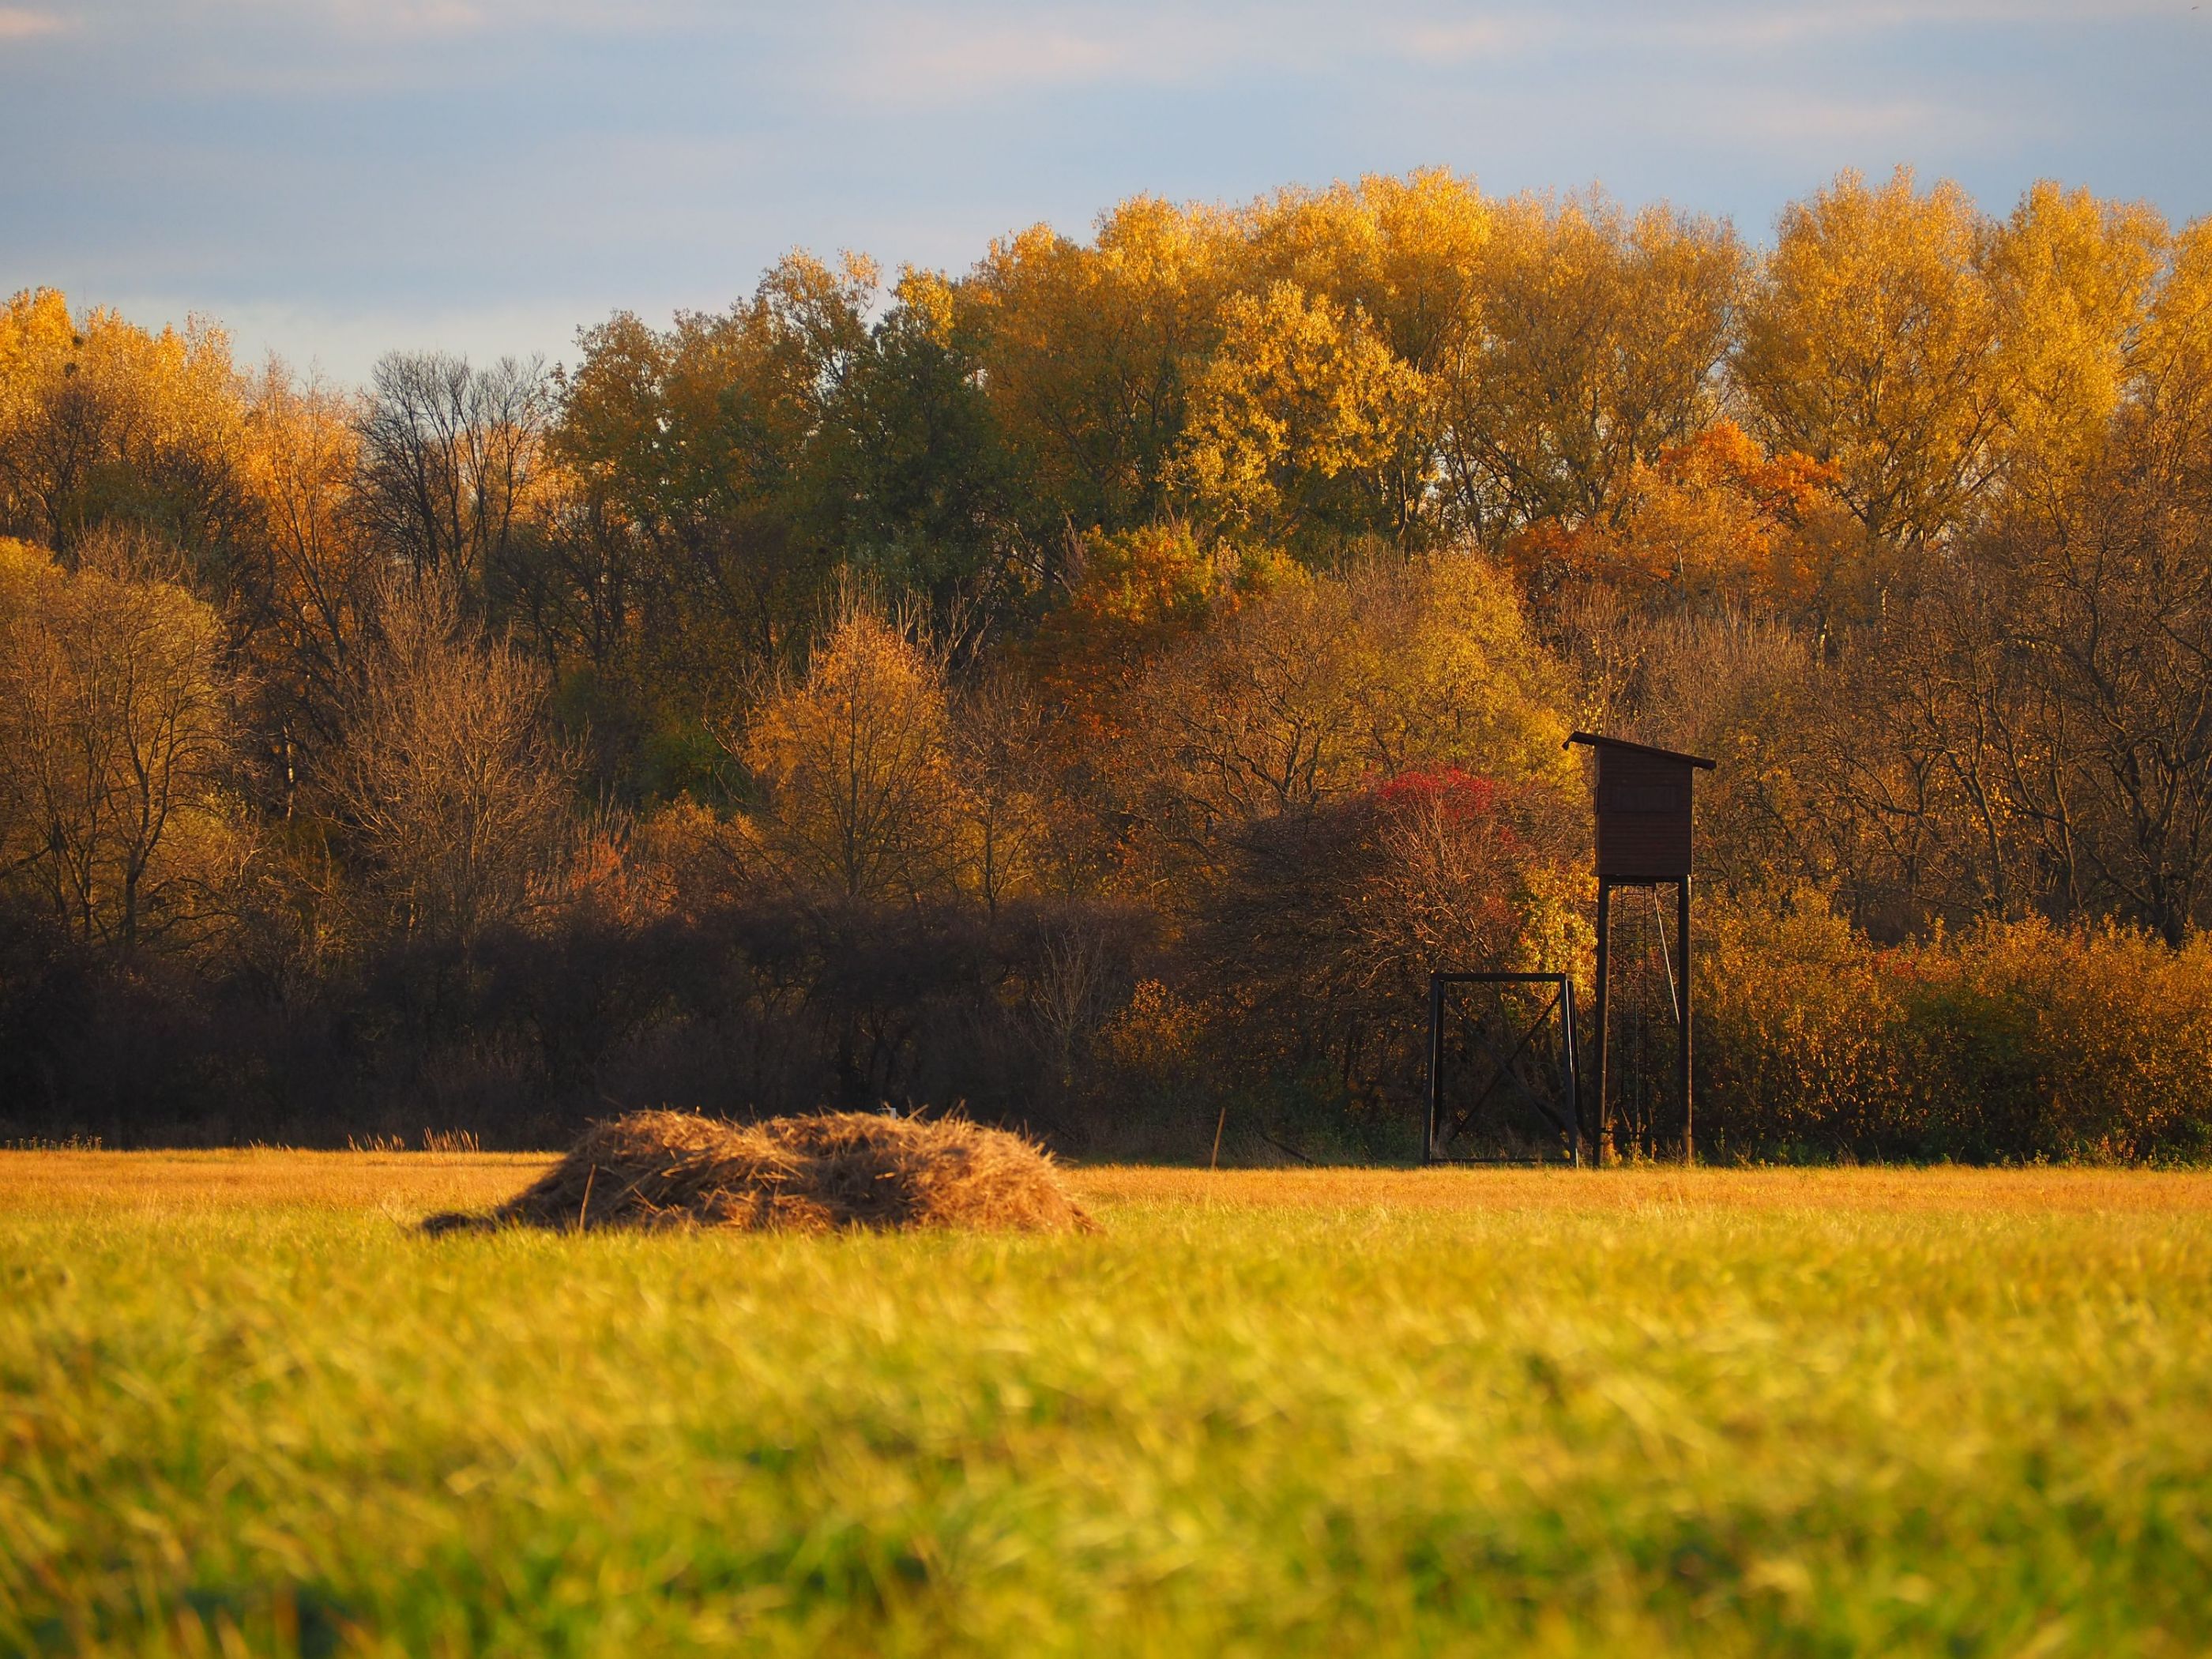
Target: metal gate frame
[{"x": 1562, "y": 1002}]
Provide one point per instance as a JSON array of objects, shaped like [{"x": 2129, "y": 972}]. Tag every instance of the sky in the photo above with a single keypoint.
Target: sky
[{"x": 333, "y": 179}]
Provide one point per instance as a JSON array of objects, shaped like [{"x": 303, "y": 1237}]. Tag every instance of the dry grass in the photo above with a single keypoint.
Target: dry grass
[
  {"x": 260, "y": 1178},
  {"x": 410, "y": 1184},
  {"x": 1946, "y": 1188},
  {"x": 414, "y": 1183},
  {"x": 805, "y": 1174}
]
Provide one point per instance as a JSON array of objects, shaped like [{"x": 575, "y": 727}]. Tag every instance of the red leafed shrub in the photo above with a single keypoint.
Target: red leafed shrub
[{"x": 1448, "y": 793}]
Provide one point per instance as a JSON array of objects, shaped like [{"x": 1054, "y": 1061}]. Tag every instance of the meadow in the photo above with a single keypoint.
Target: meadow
[{"x": 245, "y": 1409}]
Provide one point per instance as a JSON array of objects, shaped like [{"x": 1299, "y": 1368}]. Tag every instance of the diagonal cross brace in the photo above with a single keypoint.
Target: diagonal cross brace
[{"x": 1544, "y": 1108}]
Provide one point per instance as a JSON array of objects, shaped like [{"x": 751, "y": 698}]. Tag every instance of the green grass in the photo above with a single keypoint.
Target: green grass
[{"x": 1825, "y": 1427}]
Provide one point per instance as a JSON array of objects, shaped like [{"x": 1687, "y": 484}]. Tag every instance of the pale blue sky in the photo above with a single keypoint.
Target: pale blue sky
[{"x": 333, "y": 178}]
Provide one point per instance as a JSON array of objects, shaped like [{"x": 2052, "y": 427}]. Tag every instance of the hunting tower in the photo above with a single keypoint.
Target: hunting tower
[{"x": 1643, "y": 798}]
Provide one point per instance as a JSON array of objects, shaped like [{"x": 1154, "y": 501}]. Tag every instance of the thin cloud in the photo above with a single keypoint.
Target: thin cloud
[
  {"x": 910, "y": 58},
  {"x": 912, "y": 62},
  {"x": 1466, "y": 39},
  {"x": 1726, "y": 28},
  {"x": 21, "y": 23},
  {"x": 913, "y": 59},
  {"x": 432, "y": 19},
  {"x": 1819, "y": 128},
  {"x": 1769, "y": 28}
]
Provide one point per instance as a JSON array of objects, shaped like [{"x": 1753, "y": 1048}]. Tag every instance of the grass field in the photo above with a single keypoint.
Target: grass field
[{"x": 242, "y": 1408}]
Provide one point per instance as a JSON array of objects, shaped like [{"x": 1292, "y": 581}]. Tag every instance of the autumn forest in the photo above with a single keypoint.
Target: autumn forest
[{"x": 1098, "y": 687}]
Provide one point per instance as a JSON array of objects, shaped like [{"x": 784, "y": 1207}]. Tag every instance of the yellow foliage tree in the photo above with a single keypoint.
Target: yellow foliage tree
[
  {"x": 859, "y": 799},
  {"x": 2172, "y": 360},
  {"x": 1300, "y": 396},
  {"x": 1088, "y": 348},
  {"x": 101, "y": 419},
  {"x": 2072, "y": 278},
  {"x": 305, "y": 593},
  {"x": 1599, "y": 337},
  {"x": 1871, "y": 343},
  {"x": 1407, "y": 252},
  {"x": 1132, "y": 596},
  {"x": 681, "y": 466},
  {"x": 115, "y": 730}
]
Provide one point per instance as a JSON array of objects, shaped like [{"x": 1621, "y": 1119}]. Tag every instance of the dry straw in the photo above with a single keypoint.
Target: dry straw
[{"x": 846, "y": 1169}]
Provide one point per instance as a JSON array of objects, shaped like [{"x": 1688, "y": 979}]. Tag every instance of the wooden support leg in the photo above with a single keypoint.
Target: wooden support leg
[
  {"x": 1436, "y": 1065},
  {"x": 1682, "y": 1052},
  {"x": 1602, "y": 1145}
]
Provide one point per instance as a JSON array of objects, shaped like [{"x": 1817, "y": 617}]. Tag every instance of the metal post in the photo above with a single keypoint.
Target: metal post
[
  {"x": 1570, "y": 1064},
  {"x": 1683, "y": 944},
  {"x": 1601, "y": 1116},
  {"x": 1436, "y": 1065}
]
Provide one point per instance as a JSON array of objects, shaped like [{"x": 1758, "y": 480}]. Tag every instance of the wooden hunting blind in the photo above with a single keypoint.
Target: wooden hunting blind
[{"x": 1643, "y": 797}]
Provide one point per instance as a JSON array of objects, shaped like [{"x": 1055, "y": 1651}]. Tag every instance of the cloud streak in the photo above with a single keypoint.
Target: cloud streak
[{"x": 21, "y": 23}]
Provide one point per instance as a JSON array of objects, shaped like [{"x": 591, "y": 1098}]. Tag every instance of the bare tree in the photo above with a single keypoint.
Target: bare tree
[
  {"x": 1013, "y": 836},
  {"x": 2103, "y": 714},
  {"x": 1327, "y": 924},
  {"x": 2030, "y": 731},
  {"x": 448, "y": 456},
  {"x": 1076, "y": 987},
  {"x": 1305, "y": 698},
  {"x": 450, "y": 789}
]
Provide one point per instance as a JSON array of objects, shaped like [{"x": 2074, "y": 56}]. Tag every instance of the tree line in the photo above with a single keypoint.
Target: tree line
[{"x": 1097, "y": 685}]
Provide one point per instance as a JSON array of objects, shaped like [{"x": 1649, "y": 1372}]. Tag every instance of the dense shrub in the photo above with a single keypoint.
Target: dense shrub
[
  {"x": 2001, "y": 1041},
  {"x": 762, "y": 1008},
  {"x": 1312, "y": 954}
]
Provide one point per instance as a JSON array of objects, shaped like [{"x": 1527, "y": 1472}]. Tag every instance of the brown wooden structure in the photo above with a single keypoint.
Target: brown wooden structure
[{"x": 1644, "y": 798}]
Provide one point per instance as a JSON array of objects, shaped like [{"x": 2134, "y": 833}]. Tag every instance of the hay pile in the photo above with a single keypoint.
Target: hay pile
[{"x": 794, "y": 1174}]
